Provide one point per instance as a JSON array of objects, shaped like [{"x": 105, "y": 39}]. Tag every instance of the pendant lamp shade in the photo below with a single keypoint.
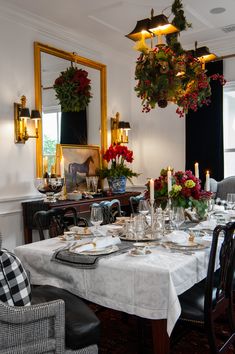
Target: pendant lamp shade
[
  {"x": 140, "y": 29},
  {"x": 160, "y": 25}
]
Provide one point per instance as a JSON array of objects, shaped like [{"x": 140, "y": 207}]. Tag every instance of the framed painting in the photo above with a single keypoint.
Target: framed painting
[{"x": 75, "y": 163}]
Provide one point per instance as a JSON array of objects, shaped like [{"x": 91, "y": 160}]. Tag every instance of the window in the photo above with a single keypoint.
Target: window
[
  {"x": 51, "y": 135},
  {"x": 229, "y": 129}
]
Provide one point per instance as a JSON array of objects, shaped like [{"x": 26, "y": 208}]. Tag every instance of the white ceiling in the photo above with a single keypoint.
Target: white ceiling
[{"x": 109, "y": 20}]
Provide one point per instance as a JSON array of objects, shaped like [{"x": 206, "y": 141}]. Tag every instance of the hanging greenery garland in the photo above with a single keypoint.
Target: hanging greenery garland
[{"x": 169, "y": 74}]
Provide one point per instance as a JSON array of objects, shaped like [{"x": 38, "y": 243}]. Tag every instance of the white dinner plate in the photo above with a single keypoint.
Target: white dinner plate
[
  {"x": 193, "y": 246},
  {"x": 100, "y": 251}
]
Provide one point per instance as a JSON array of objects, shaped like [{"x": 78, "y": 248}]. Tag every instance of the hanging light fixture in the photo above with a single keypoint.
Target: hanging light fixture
[
  {"x": 168, "y": 73},
  {"x": 154, "y": 26}
]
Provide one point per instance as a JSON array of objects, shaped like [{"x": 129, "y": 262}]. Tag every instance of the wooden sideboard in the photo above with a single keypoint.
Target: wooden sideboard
[{"x": 82, "y": 206}]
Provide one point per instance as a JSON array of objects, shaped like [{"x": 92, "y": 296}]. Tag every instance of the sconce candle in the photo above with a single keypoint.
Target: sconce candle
[
  {"x": 21, "y": 117},
  {"x": 196, "y": 169},
  {"x": 207, "y": 181}
]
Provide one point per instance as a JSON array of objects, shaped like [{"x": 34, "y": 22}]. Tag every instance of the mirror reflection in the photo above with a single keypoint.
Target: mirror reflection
[{"x": 49, "y": 63}]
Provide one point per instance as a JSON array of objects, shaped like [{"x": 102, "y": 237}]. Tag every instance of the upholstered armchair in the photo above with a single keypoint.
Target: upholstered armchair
[
  {"x": 52, "y": 321},
  {"x": 46, "y": 327},
  {"x": 222, "y": 188}
]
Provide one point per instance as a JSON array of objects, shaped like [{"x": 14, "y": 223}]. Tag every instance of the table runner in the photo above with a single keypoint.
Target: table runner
[{"x": 86, "y": 261}]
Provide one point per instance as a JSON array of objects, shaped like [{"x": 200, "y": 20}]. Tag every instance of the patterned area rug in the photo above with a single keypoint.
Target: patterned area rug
[{"x": 119, "y": 335}]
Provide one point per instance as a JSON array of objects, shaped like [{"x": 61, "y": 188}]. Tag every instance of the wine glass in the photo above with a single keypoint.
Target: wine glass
[
  {"x": 178, "y": 216},
  {"x": 143, "y": 207},
  {"x": 96, "y": 217},
  {"x": 230, "y": 200}
]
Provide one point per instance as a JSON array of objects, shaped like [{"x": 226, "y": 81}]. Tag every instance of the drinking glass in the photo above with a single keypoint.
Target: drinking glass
[
  {"x": 230, "y": 200},
  {"x": 96, "y": 217},
  {"x": 144, "y": 207},
  {"x": 139, "y": 227},
  {"x": 88, "y": 183},
  {"x": 178, "y": 216},
  {"x": 94, "y": 183}
]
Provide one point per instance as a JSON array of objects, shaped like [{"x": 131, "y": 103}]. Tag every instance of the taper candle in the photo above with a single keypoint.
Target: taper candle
[
  {"x": 169, "y": 181},
  {"x": 207, "y": 181},
  {"x": 151, "y": 187},
  {"x": 196, "y": 169},
  {"x": 62, "y": 167}
]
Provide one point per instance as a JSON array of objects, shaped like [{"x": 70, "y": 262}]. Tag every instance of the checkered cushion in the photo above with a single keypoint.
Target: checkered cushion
[{"x": 14, "y": 283}]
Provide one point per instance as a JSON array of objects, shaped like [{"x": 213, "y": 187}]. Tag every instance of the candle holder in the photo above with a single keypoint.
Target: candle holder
[{"x": 152, "y": 217}]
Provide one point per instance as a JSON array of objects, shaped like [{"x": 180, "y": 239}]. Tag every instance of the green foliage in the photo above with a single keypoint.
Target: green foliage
[
  {"x": 181, "y": 23},
  {"x": 117, "y": 170},
  {"x": 72, "y": 89},
  {"x": 49, "y": 146}
]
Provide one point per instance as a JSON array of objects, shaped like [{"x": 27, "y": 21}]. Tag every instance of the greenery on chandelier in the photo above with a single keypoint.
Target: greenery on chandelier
[
  {"x": 72, "y": 89},
  {"x": 170, "y": 74}
]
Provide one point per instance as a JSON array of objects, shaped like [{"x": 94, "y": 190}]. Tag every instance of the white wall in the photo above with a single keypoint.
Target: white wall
[
  {"x": 157, "y": 138},
  {"x": 17, "y": 161}
]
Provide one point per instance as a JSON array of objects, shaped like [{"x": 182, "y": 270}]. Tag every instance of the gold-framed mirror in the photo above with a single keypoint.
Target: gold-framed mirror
[{"x": 99, "y": 69}]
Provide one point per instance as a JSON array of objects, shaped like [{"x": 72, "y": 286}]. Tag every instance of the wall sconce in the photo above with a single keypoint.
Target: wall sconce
[
  {"x": 21, "y": 117},
  {"x": 119, "y": 130}
]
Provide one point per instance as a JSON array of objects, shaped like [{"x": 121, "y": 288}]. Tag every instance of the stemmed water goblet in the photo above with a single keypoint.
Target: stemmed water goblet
[
  {"x": 144, "y": 207},
  {"x": 230, "y": 200},
  {"x": 178, "y": 216},
  {"x": 96, "y": 217}
]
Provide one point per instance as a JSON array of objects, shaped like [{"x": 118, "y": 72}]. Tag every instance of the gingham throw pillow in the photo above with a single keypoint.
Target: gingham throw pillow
[{"x": 14, "y": 283}]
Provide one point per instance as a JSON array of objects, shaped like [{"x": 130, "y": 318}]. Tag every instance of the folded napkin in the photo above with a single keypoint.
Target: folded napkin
[
  {"x": 218, "y": 207},
  {"x": 208, "y": 225},
  {"x": 177, "y": 236},
  {"x": 96, "y": 244},
  {"x": 80, "y": 230}
]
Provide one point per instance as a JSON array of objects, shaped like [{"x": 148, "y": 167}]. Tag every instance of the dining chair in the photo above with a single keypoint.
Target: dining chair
[
  {"x": 206, "y": 301},
  {"x": 222, "y": 188},
  {"x": 134, "y": 203},
  {"x": 42, "y": 319},
  {"x": 111, "y": 209},
  {"x": 57, "y": 221}
]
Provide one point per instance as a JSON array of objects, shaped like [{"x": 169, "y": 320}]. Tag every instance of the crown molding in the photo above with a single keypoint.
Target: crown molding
[{"x": 57, "y": 32}]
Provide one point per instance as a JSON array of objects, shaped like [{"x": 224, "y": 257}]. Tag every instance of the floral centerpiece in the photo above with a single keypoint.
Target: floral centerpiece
[
  {"x": 186, "y": 191},
  {"x": 117, "y": 172},
  {"x": 72, "y": 89}
]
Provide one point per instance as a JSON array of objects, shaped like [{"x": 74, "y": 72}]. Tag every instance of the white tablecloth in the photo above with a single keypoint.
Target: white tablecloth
[{"x": 146, "y": 286}]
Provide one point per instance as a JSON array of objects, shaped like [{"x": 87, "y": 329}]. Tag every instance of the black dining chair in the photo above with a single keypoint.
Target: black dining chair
[
  {"x": 134, "y": 203},
  {"x": 57, "y": 221},
  {"x": 111, "y": 209},
  {"x": 206, "y": 301}
]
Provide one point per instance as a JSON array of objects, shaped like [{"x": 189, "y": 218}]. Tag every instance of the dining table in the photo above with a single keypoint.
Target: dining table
[{"x": 145, "y": 285}]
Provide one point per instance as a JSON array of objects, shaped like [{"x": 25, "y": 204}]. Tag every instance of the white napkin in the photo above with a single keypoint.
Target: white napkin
[
  {"x": 96, "y": 244},
  {"x": 177, "y": 236},
  {"x": 208, "y": 225},
  {"x": 218, "y": 207},
  {"x": 81, "y": 230}
]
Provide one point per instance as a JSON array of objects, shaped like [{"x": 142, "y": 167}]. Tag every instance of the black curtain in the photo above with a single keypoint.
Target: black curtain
[
  {"x": 204, "y": 131},
  {"x": 73, "y": 128}
]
